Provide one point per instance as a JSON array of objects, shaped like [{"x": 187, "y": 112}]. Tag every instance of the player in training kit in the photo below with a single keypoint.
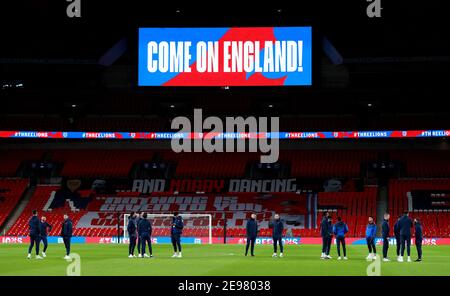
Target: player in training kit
[
  {"x": 330, "y": 237},
  {"x": 145, "y": 233},
  {"x": 419, "y": 237},
  {"x": 252, "y": 233},
  {"x": 324, "y": 234},
  {"x": 132, "y": 234},
  {"x": 35, "y": 231},
  {"x": 339, "y": 230},
  {"x": 277, "y": 235},
  {"x": 405, "y": 225},
  {"x": 66, "y": 234},
  {"x": 397, "y": 237},
  {"x": 175, "y": 234},
  {"x": 371, "y": 231},
  {"x": 44, "y": 227},
  {"x": 138, "y": 219},
  {"x": 385, "y": 231}
]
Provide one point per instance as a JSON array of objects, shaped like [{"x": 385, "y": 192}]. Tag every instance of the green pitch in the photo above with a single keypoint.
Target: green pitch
[{"x": 214, "y": 260}]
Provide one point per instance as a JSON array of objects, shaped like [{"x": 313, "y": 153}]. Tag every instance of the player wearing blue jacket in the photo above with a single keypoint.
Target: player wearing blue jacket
[
  {"x": 371, "y": 232},
  {"x": 35, "y": 231},
  {"x": 339, "y": 230},
  {"x": 145, "y": 232},
  {"x": 329, "y": 238},
  {"x": 175, "y": 234},
  {"x": 324, "y": 233},
  {"x": 397, "y": 236},
  {"x": 405, "y": 224},
  {"x": 66, "y": 234},
  {"x": 138, "y": 219},
  {"x": 277, "y": 235},
  {"x": 252, "y": 233},
  {"x": 385, "y": 232},
  {"x": 132, "y": 234},
  {"x": 45, "y": 227},
  {"x": 419, "y": 237}
]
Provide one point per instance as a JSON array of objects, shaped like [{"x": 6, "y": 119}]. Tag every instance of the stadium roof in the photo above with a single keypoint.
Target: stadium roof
[
  {"x": 402, "y": 31},
  {"x": 385, "y": 61}
]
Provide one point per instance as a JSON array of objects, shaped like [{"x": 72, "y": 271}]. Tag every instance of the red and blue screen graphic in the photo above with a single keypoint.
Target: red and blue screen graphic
[{"x": 252, "y": 56}]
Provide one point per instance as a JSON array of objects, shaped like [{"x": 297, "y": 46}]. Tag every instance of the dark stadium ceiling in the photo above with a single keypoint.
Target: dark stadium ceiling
[
  {"x": 385, "y": 61},
  {"x": 41, "y": 28}
]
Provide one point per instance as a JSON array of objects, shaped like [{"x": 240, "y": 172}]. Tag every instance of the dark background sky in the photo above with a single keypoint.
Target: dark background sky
[{"x": 389, "y": 61}]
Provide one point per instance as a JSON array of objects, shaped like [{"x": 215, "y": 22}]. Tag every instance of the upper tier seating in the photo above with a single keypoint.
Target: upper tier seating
[
  {"x": 328, "y": 163},
  {"x": 10, "y": 160},
  {"x": 398, "y": 190},
  {"x": 99, "y": 163},
  {"x": 424, "y": 163},
  {"x": 212, "y": 165}
]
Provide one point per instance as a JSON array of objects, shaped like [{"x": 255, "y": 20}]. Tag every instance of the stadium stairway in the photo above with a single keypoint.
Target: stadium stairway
[
  {"x": 382, "y": 205},
  {"x": 15, "y": 214}
]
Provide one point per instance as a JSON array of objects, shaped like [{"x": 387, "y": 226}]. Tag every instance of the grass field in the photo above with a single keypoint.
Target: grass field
[{"x": 214, "y": 260}]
